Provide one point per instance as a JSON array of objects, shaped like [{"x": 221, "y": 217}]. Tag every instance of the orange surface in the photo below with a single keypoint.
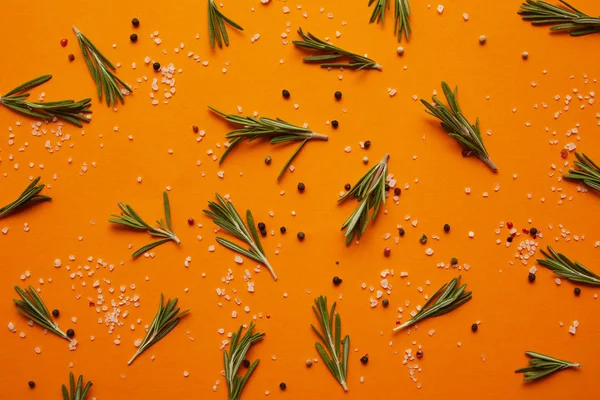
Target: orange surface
[{"x": 515, "y": 315}]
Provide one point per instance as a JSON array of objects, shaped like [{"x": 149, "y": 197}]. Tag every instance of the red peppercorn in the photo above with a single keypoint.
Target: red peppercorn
[
  {"x": 525, "y": 231},
  {"x": 190, "y": 221},
  {"x": 564, "y": 153},
  {"x": 64, "y": 42},
  {"x": 71, "y": 57},
  {"x": 195, "y": 128},
  {"x": 509, "y": 225},
  {"x": 387, "y": 251},
  {"x": 419, "y": 353}
]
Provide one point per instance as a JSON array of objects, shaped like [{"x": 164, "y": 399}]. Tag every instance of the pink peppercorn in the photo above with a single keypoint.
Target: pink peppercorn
[
  {"x": 509, "y": 225},
  {"x": 190, "y": 221},
  {"x": 387, "y": 251},
  {"x": 64, "y": 42}
]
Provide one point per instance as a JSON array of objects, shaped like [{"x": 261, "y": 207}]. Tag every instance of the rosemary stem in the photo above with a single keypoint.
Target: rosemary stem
[
  {"x": 318, "y": 136},
  {"x": 399, "y": 327},
  {"x": 137, "y": 353},
  {"x": 490, "y": 163},
  {"x": 266, "y": 262}
]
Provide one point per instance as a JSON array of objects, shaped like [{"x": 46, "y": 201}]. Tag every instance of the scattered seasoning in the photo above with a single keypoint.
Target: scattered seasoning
[
  {"x": 195, "y": 128},
  {"x": 400, "y": 50},
  {"x": 423, "y": 239},
  {"x": 482, "y": 39},
  {"x": 387, "y": 187},
  {"x": 135, "y": 22},
  {"x": 533, "y": 232},
  {"x": 564, "y": 154},
  {"x": 282, "y": 386},
  {"x": 446, "y": 228},
  {"x": 509, "y": 239},
  {"x": 338, "y": 95},
  {"x": 55, "y": 313},
  {"x": 401, "y": 231},
  {"x": 282, "y": 229},
  {"x": 246, "y": 363},
  {"x": 301, "y": 187},
  {"x": 301, "y": 236},
  {"x": 474, "y": 327},
  {"x": 577, "y": 291},
  {"x": 261, "y": 226},
  {"x": 531, "y": 277},
  {"x": 419, "y": 353},
  {"x": 156, "y": 66},
  {"x": 347, "y": 186},
  {"x": 385, "y": 303},
  {"x": 525, "y": 55},
  {"x": 31, "y": 384},
  {"x": 285, "y": 93},
  {"x": 64, "y": 42},
  {"x": 397, "y": 191},
  {"x": 337, "y": 280},
  {"x": 71, "y": 57},
  {"x": 190, "y": 221},
  {"x": 70, "y": 333},
  {"x": 335, "y": 123},
  {"x": 268, "y": 160},
  {"x": 367, "y": 144},
  {"x": 133, "y": 37},
  {"x": 364, "y": 359},
  {"x": 387, "y": 251},
  {"x": 308, "y": 363},
  {"x": 453, "y": 261}
]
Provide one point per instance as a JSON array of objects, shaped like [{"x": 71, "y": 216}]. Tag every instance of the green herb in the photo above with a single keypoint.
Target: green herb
[
  {"x": 448, "y": 298},
  {"x": 32, "y": 306},
  {"x": 276, "y": 130},
  {"x": 78, "y": 392},
  {"x": 587, "y": 173},
  {"x": 226, "y": 217},
  {"x": 131, "y": 219},
  {"x": 370, "y": 192},
  {"x": 30, "y": 196},
  {"x": 401, "y": 14},
  {"x": 564, "y": 19},
  {"x": 457, "y": 126},
  {"x": 336, "y": 356},
  {"x": 166, "y": 319},
  {"x": 332, "y": 56},
  {"x": 68, "y": 110},
  {"x": 238, "y": 348},
  {"x": 562, "y": 266},
  {"x": 216, "y": 25},
  {"x": 102, "y": 72},
  {"x": 541, "y": 365}
]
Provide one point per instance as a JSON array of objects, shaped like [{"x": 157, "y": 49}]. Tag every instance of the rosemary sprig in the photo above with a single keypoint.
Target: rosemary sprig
[
  {"x": 102, "y": 71},
  {"x": 336, "y": 356},
  {"x": 564, "y": 19},
  {"x": 276, "y": 130},
  {"x": 68, "y": 110},
  {"x": 562, "y": 266},
  {"x": 457, "y": 126},
  {"x": 131, "y": 219},
  {"x": 447, "y": 298},
  {"x": 238, "y": 348},
  {"x": 30, "y": 196},
  {"x": 32, "y": 306},
  {"x": 587, "y": 173},
  {"x": 370, "y": 192},
  {"x": 401, "y": 14},
  {"x": 226, "y": 217},
  {"x": 166, "y": 319},
  {"x": 78, "y": 392},
  {"x": 541, "y": 365},
  {"x": 332, "y": 56},
  {"x": 216, "y": 25}
]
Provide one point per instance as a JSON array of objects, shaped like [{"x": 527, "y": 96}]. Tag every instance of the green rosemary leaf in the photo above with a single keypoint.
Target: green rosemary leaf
[
  {"x": 67, "y": 110},
  {"x": 566, "y": 18},
  {"x": 101, "y": 69},
  {"x": 401, "y": 15},
  {"x": 238, "y": 348},
  {"x": 30, "y": 196},
  {"x": 457, "y": 126},
  {"x": 131, "y": 219},
  {"x": 370, "y": 192},
  {"x": 275, "y": 130},
  {"x": 79, "y": 391},
  {"x": 564, "y": 267},
  {"x": 336, "y": 356},
  {"x": 32, "y": 306},
  {"x": 541, "y": 365},
  {"x": 587, "y": 172},
  {"x": 216, "y": 26},
  {"x": 167, "y": 318},
  {"x": 447, "y": 298},
  {"x": 226, "y": 216},
  {"x": 354, "y": 61}
]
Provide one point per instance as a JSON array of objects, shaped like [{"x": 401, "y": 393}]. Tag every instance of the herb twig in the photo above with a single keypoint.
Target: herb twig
[
  {"x": 447, "y": 298},
  {"x": 238, "y": 348},
  {"x": 131, "y": 219},
  {"x": 30, "y": 196},
  {"x": 166, "y": 319},
  {"x": 226, "y": 217},
  {"x": 78, "y": 392},
  {"x": 332, "y": 56},
  {"x": 401, "y": 15},
  {"x": 587, "y": 172},
  {"x": 370, "y": 192},
  {"x": 276, "y": 130},
  {"x": 68, "y": 110},
  {"x": 102, "y": 71},
  {"x": 336, "y": 355},
  {"x": 32, "y": 306},
  {"x": 563, "y": 19},
  {"x": 541, "y": 365},
  {"x": 562, "y": 266},
  {"x": 457, "y": 126},
  {"x": 216, "y": 25}
]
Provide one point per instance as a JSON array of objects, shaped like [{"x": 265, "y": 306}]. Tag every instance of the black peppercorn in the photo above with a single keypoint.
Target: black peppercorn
[
  {"x": 133, "y": 37},
  {"x": 367, "y": 144},
  {"x": 474, "y": 327},
  {"x": 135, "y": 22},
  {"x": 267, "y": 160},
  {"x": 282, "y": 386},
  {"x": 509, "y": 239},
  {"x": 285, "y": 93},
  {"x": 397, "y": 191},
  {"x": 55, "y": 313},
  {"x": 282, "y": 229},
  {"x": 423, "y": 239},
  {"x": 335, "y": 123},
  {"x": 301, "y": 236},
  {"x": 70, "y": 333},
  {"x": 533, "y": 231},
  {"x": 71, "y": 57},
  {"x": 531, "y": 277},
  {"x": 261, "y": 226},
  {"x": 156, "y": 65},
  {"x": 577, "y": 291},
  {"x": 385, "y": 303},
  {"x": 446, "y": 228},
  {"x": 301, "y": 187},
  {"x": 387, "y": 187},
  {"x": 401, "y": 231},
  {"x": 453, "y": 261},
  {"x": 263, "y": 233},
  {"x": 337, "y": 280},
  {"x": 338, "y": 95},
  {"x": 31, "y": 384},
  {"x": 364, "y": 359},
  {"x": 246, "y": 363},
  {"x": 347, "y": 186}
]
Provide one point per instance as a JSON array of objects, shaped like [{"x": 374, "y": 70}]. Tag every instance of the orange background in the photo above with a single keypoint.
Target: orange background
[{"x": 515, "y": 316}]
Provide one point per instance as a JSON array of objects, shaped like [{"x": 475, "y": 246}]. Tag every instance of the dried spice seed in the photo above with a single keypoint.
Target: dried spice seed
[
  {"x": 268, "y": 160},
  {"x": 246, "y": 363},
  {"x": 533, "y": 232},
  {"x": 446, "y": 228},
  {"x": 335, "y": 123},
  {"x": 70, "y": 333},
  {"x": 401, "y": 231},
  {"x": 301, "y": 236},
  {"x": 385, "y": 303},
  {"x": 190, "y": 221},
  {"x": 338, "y": 95},
  {"x": 419, "y": 353},
  {"x": 474, "y": 327},
  {"x": 337, "y": 280},
  {"x": 282, "y": 386},
  {"x": 262, "y": 226},
  {"x": 135, "y": 22},
  {"x": 564, "y": 154},
  {"x": 347, "y": 186},
  {"x": 577, "y": 291},
  {"x": 55, "y": 313},
  {"x": 282, "y": 229},
  {"x": 367, "y": 144},
  {"x": 156, "y": 66},
  {"x": 71, "y": 57},
  {"x": 31, "y": 384},
  {"x": 509, "y": 239},
  {"x": 364, "y": 359},
  {"x": 301, "y": 187},
  {"x": 453, "y": 261},
  {"x": 397, "y": 191},
  {"x": 64, "y": 42},
  {"x": 387, "y": 251},
  {"x": 423, "y": 239},
  {"x": 387, "y": 187},
  {"x": 531, "y": 277},
  {"x": 195, "y": 128},
  {"x": 285, "y": 94},
  {"x": 133, "y": 37}
]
